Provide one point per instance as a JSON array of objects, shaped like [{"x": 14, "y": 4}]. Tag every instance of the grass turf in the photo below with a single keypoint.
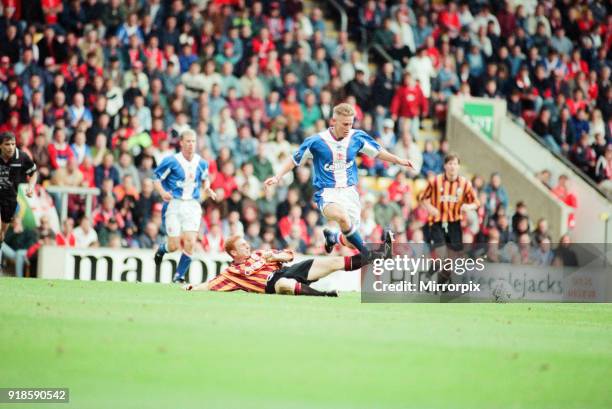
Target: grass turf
[{"x": 123, "y": 345}]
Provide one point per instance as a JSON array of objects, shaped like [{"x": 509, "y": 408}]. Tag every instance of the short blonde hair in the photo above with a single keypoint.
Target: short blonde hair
[
  {"x": 344, "y": 109},
  {"x": 188, "y": 132}
]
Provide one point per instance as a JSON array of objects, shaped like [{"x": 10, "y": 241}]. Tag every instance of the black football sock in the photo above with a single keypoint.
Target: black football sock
[{"x": 356, "y": 262}]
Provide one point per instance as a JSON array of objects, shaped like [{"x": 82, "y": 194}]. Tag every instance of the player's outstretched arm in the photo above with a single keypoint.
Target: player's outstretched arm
[
  {"x": 389, "y": 157},
  {"x": 287, "y": 167},
  {"x": 284, "y": 256}
]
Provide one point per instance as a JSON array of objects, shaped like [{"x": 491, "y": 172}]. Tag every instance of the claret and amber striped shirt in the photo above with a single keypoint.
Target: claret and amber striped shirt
[
  {"x": 448, "y": 197},
  {"x": 251, "y": 275}
]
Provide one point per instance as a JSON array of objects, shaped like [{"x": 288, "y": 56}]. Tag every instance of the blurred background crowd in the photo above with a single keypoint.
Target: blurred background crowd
[{"x": 97, "y": 93}]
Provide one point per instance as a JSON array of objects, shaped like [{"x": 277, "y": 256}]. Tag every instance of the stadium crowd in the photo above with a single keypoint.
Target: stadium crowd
[
  {"x": 98, "y": 93},
  {"x": 550, "y": 60}
]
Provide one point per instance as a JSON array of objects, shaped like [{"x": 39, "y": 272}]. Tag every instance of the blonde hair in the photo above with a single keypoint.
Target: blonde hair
[
  {"x": 344, "y": 109},
  {"x": 188, "y": 132}
]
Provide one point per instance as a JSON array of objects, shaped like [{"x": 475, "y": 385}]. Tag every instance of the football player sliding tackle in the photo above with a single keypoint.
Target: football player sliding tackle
[{"x": 265, "y": 272}]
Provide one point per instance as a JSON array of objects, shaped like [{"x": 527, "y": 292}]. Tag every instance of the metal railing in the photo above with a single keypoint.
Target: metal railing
[
  {"x": 343, "y": 15},
  {"x": 380, "y": 51},
  {"x": 64, "y": 191}
]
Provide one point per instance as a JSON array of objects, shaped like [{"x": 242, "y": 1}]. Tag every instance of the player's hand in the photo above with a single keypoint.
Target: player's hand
[
  {"x": 267, "y": 254},
  {"x": 211, "y": 193},
  {"x": 271, "y": 181},
  {"x": 406, "y": 162},
  {"x": 29, "y": 191},
  {"x": 433, "y": 211},
  {"x": 291, "y": 254},
  {"x": 166, "y": 196}
]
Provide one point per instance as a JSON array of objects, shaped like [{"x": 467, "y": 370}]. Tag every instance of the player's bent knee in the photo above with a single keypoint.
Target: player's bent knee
[
  {"x": 173, "y": 244},
  {"x": 188, "y": 247},
  {"x": 345, "y": 222},
  {"x": 189, "y": 244},
  {"x": 285, "y": 286}
]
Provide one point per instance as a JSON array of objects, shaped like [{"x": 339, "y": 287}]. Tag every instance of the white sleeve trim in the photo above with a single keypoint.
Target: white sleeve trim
[
  {"x": 370, "y": 149},
  {"x": 307, "y": 155},
  {"x": 165, "y": 174}
]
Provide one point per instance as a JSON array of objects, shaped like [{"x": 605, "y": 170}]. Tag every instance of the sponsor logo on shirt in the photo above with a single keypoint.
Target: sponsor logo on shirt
[
  {"x": 331, "y": 167},
  {"x": 449, "y": 198}
]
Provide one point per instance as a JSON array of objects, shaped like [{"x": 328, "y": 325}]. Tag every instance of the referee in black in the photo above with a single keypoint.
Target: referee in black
[{"x": 15, "y": 167}]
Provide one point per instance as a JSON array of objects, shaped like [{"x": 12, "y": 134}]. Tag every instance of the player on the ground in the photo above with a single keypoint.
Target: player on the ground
[
  {"x": 178, "y": 180},
  {"x": 15, "y": 167},
  {"x": 263, "y": 271},
  {"x": 445, "y": 198},
  {"x": 335, "y": 174}
]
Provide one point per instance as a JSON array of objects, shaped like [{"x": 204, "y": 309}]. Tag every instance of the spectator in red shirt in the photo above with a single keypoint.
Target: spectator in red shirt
[
  {"x": 66, "y": 238},
  {"x": 12, "y": 125},
  {"x": 576, "y": 65},
  {"x": 433, "y": 52},
  {"x": 263, "y": 44},
  {"x": 152, "y": 52},
  {"x": 6, "y": 69},
  {"x": 294, "y": 217},
  {"x": 158, "y": 133},
  {"x": 225, "y": 180},
  {"x": 70, "y": 69},
  {"x": 449, "y": 20},
  {"x": 399, "y": 187},
  {"x": 563, "y": 192},
  {"x": 87, "y": 169},
  {"x": 12, "y": 9},
  {"x": 567, "y": 197},
  {"x": 52, "y": 9},
  {"x": 59, "y": 151},
  {"x": 105, "y": 212},
  {"x": 577, "y": 103},
  {"x": 213, "y": 240},
  {"x": 586, "y": 23},
  {"x": 409, "y": 103}
]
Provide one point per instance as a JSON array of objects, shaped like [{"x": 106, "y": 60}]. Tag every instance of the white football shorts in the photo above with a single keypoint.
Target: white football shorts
[
  {"x": 182, "y": 216},
  {"x": 347, "y": 197}
]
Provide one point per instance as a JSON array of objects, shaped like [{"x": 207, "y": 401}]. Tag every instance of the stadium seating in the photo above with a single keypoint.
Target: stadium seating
[{"x": 97, "y": 94}]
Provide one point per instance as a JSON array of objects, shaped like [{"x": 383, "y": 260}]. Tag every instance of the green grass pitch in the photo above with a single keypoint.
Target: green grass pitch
[{"x": 125, "y": 345}]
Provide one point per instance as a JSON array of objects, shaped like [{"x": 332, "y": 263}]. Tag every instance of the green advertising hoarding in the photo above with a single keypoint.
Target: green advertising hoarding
[{"x": 481, "y": 115}]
